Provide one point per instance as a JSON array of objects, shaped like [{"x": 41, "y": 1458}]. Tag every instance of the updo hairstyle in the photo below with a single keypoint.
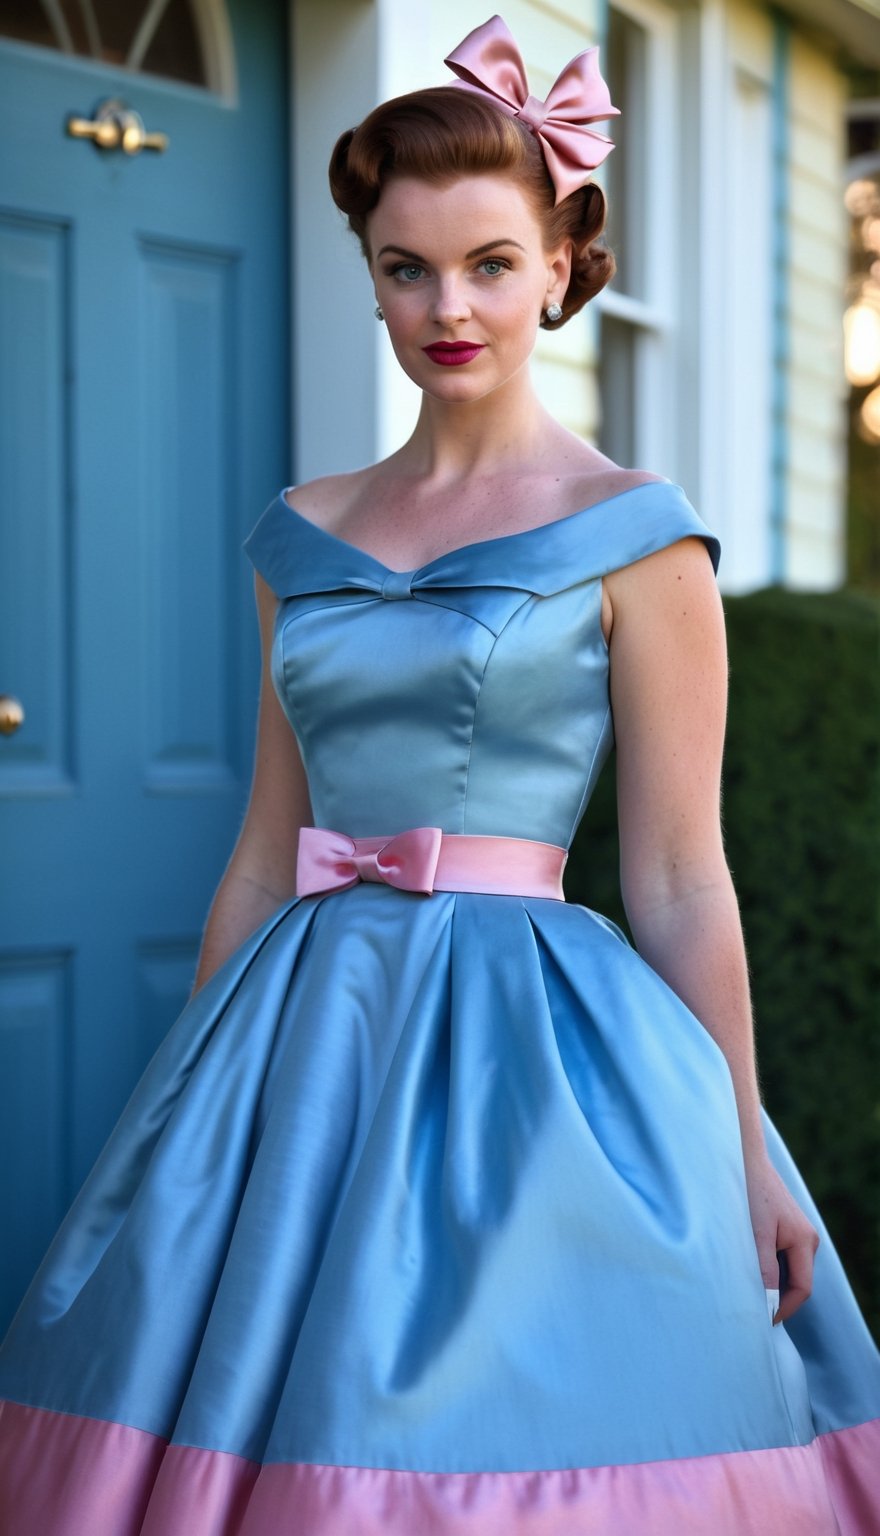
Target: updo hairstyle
[{"x": 442, "y": 133}]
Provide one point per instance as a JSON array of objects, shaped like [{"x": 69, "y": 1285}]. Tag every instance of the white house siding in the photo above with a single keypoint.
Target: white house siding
[{"x": 817, "y": 274}]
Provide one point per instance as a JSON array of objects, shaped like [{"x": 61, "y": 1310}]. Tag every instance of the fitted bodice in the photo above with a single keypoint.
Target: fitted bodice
[{"x": 471, "y": 693}]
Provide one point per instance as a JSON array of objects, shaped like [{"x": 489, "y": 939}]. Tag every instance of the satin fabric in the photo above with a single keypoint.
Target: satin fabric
[
  {"x": 114, "y": 1479},
  {"x": 427, "y": 860},
  {"x": 445, "y": 1185},
  {"x": 471, "y": 693},
  {"x": 489, "y": 63}
]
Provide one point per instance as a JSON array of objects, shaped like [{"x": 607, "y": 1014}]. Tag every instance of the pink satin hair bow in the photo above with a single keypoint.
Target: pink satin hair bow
[
  {"x": 330, "y": 861},
  {"x": 489, "y": 63}
]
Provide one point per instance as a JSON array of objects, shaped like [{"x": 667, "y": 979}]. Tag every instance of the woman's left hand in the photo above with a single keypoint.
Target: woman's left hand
[{"x": 780, "y": 1226}]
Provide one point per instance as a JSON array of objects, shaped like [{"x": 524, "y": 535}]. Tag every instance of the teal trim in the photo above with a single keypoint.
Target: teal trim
[{"x": 781, "y": 306}]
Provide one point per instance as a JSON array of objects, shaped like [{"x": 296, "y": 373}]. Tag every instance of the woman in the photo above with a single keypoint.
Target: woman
[{"x": 443, "y": 1209}]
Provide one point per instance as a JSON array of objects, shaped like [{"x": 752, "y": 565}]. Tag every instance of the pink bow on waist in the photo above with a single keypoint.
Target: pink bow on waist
[{"x": 330, "y": 861}]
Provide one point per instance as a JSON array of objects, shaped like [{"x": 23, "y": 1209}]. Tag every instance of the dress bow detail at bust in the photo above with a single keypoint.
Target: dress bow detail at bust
[
  {"x": 330, "y": 861},
  {"x": 489, "y": 63}
]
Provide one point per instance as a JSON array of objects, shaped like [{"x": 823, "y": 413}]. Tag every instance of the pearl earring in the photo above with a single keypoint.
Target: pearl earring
[
  {"x": 553, "y": 313},
  {"x": 379, "y": 313}
]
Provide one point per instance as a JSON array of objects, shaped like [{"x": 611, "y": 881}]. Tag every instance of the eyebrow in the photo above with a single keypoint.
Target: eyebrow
[{"x": 491, "y": 245}]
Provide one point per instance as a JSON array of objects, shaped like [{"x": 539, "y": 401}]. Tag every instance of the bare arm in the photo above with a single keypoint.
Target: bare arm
[
  {"x": 669, "y": 698},
  {"x": 261, "y": 872}
]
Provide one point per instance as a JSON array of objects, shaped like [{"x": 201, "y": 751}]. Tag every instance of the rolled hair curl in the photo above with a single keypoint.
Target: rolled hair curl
[{"x": 442, "y": 133}]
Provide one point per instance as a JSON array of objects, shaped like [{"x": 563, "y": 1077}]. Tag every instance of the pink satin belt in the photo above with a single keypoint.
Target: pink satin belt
[{"x": 425, "y": 859}]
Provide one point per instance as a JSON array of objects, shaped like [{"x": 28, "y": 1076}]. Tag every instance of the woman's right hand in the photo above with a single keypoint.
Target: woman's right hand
[{"x": 780, "y": 1226}]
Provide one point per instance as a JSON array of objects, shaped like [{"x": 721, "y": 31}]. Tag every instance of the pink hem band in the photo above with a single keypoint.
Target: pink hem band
[
  {"x": 425, "y": 859},
  {"x": 62, "y": 1475}
]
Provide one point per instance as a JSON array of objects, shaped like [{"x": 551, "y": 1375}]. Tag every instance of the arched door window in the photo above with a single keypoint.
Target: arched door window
[{"x": 184, "y": 40}]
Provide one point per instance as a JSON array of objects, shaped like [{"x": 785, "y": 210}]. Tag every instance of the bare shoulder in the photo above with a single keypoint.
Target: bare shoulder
[
  {"x": 606, "y": 484},
  {"x": 326, "y": 501},
  {"x": 684, "y": 562},
  {"x": 592, "y": 477},
  {"x": 645, "y": 596},
  {"x": 655, "y": 596},
  {"x": 685, "y": 559}
]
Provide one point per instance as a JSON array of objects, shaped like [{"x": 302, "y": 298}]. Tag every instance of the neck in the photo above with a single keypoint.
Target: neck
[{"x": 501, "y": 432}]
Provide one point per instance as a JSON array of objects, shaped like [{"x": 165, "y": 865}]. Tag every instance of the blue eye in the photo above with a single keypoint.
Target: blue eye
[
  {"x": 407, "y": 272},
  {"x": 496, "y": 263}
]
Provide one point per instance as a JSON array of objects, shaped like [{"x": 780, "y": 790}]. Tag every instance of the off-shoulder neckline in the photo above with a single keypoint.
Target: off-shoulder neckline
[{"x": 463, "y": 549}]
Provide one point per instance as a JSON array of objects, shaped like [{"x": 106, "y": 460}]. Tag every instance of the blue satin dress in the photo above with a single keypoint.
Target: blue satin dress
[{"x": 429, "y": 1215}]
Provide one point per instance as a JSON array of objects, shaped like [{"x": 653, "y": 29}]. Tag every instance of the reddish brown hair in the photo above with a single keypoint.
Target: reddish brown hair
[{"x": 446, "y": 132}]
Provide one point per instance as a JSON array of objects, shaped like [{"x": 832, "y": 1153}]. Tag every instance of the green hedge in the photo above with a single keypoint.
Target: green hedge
[{"x": 802, "y": 831}]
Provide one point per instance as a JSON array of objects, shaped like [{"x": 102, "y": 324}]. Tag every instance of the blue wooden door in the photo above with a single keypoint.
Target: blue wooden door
[{"x": 143, "y": 426}]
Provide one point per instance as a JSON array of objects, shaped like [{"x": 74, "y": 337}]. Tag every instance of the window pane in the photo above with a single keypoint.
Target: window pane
[
  {"x": 107, "y": 29},
  {"x": 116, "y": 26},
  {"x": 27, "y": 22},
  {"x": 617, "y": 362},
  {"x": 624, "y": 67},
  {"x": 175, "y": 51}
]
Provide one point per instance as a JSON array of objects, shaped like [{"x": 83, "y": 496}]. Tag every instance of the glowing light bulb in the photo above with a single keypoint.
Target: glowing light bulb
[{"x": 861, "y": 330}]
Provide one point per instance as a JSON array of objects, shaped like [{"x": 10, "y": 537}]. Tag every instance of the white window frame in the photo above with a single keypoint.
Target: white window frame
[
  {"x": 654, "y": 315},
  {"x": 731, "y": 341}
]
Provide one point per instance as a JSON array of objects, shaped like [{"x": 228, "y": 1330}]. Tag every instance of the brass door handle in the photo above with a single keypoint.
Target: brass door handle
[
  {"x": 116, "y": 126},
  {"x": 11, "y": 714}
]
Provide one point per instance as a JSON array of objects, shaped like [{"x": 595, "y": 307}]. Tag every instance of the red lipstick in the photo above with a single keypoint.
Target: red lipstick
[{"x": 449, "y": 354}]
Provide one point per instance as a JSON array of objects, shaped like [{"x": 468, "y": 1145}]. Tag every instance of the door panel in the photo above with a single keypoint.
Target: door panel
[
  {"x": 34, "y": 549},
  {"x": 187, "y": 312},
  {"x": 34, "y": 1056},
  {"x": 143, "y": 426}
]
